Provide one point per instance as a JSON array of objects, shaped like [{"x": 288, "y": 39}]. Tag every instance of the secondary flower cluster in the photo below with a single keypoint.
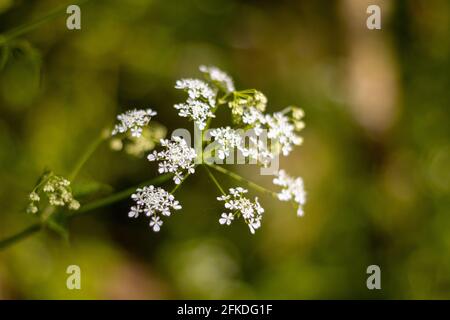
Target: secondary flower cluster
[
  {"x": 238, "y": 205},
  {"x": 57, "y": 190},
  {"x": 219, "y": 78},
  {"x": 200, "y": 103},
  {"x": 177, "y": 158},
  {"x": 133, "y": 120},
  {"x": 293, "y": 189},
  {"x": 153, "y": 202}
]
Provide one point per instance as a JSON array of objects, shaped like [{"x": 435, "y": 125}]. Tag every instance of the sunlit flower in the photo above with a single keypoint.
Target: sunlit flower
[
  {"x": 153, "y": 201},
  {"x": 177, "y": 158},
  {"x": 134, "y": 121},
  {"x": 239, "y": 205},
  {"x": 293, "y": 189},
  {"x": 218, "y": 77}
]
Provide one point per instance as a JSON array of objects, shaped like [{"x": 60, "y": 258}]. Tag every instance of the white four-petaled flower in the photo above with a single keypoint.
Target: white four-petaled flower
[{"x": 226, "y": 218}]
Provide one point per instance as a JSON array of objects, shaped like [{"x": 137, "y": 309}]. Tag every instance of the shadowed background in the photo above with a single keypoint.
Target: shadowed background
[{"x": 375, "y": 158}]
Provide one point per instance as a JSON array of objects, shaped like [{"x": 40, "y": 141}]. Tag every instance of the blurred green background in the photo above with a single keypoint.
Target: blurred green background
[{"x": 376, "y": 156}]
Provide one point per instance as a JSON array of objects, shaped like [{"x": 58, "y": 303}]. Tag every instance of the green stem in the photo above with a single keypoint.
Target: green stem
[
  {"x": 242, "y": 179},
  {"x": 214, "y": 180},
  {"x": 95, "y": 204},
  {"x": 179, "y": 185},
  {"x": 87, "y": 154},
  {"x": 20, "y": 236},
  {"x": 25, "y": 28}
]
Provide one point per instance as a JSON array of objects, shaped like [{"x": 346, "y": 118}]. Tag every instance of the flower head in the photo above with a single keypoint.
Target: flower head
[
  {"x": 282, "y": 130},
  {"x": 153, "y": 202},
  {"x": 197, "y": 90},
  {"x": 293, "y": 189},
  {"x": 177, "y": 158},
  {"x": 57, "y": 190},
  {"x": 219, "y": 78},
  {"x": 133, "y": 120},
  {"x": 201, "y": 100},
  {"x": 239, "y": 205}
]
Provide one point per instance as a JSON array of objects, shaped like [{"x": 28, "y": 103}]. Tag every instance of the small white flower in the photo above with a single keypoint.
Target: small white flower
[
  {"x": 226, "y": 218},
  {"x": 152, "y": 201},
  {"x": 34, "y": 196},
  {"x": 250, "y": 211},
  {"x": 156, "y": 223},
  {"x": 133, "y": 120},
  {"x": 176, "y": 158},
  {"x": 218, "y": 77},
  {"x": 293, "y": 189}
]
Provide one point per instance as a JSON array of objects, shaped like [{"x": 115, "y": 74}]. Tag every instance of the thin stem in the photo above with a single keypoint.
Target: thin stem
[
  {"x": 20, "y": 236},
  {"x": 27, "y": 27},
  {"x": 87, "y": 154},
  {"x": 214, "y": 180},
  {"x": 179, "y": 185},
  {"x": 242, "y": 179},
  {"x": 113, "y": 198}
]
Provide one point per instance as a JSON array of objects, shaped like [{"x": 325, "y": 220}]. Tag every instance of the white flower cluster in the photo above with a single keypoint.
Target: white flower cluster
[
  {"x": 201, "y": 100},
  {"x": 219, "y": 78},
  {"x": 239, "y": 205},
  {"x": 227, "y": 139},
  {"x": 177, "y": 158},
  {"x": 133, "y": 120},
  {"x": 58, "y": 191},
  {"x": 280, "y": 128},
  {"x": 293, "y": 189},
  {"x": 153, "y": 201}
]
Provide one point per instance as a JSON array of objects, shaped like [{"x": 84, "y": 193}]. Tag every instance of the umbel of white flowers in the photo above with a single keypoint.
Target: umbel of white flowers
[
  {"x": 57, "y": 190},
  {"x": 248, "y": 112},
  {"x": 153, "y": 202},
  {"x": 240, "y": 206},
  {"x": 177, "y": 158},
  {"x": 133, "y": 120}
]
